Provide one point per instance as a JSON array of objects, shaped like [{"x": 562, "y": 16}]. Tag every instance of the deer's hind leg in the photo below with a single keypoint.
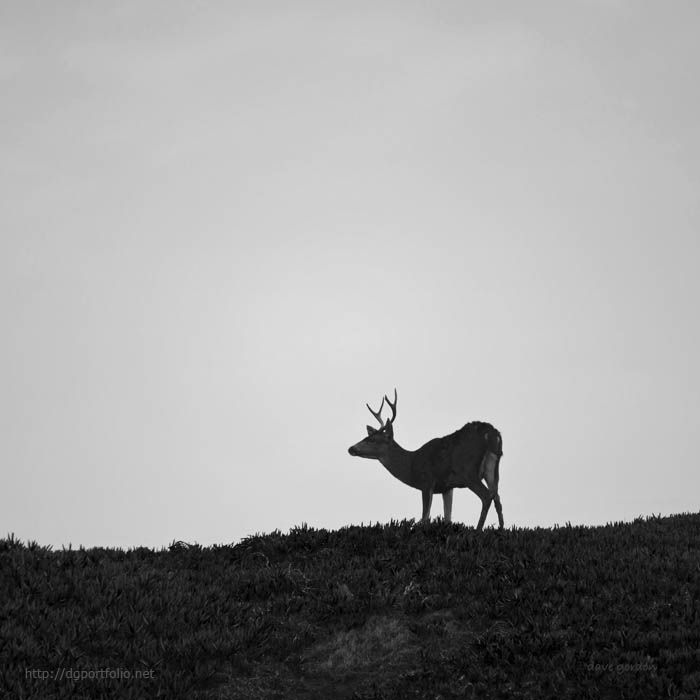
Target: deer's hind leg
[
  {"x": 479, "y": 488},
  {"x": 489, "y": 473}
]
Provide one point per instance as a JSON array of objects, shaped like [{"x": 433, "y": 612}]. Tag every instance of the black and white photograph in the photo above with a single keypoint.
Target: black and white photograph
[{"x": 350, "y": 350}]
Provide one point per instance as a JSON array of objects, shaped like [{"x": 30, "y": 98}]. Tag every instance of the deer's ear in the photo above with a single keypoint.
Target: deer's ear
[
  {"x": 371, "y": 430},
  {"x": 390, "y": 430}
]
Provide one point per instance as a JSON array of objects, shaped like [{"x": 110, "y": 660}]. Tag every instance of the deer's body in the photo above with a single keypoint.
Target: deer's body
[
  {"x": 454, "y": 461},
  {"x": 465, "y": 459}
]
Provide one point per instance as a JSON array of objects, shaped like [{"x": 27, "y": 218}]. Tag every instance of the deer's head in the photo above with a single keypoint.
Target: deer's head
[{"x": 378, "y": 440}]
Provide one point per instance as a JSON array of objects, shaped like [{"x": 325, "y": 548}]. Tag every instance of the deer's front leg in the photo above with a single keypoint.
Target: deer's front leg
[
  {"x": 427, "y": 502},
  {"x": 447, "y": 503}
]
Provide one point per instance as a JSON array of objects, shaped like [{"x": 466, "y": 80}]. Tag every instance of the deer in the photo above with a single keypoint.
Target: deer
[{"x": 465, "y": 459}]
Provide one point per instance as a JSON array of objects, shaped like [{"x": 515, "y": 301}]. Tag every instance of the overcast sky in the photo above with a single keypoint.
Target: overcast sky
[{"x": 227, "y": 226}]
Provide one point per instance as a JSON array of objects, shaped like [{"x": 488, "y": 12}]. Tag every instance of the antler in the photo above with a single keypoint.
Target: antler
[
  {"x": 378, "y": 414},
  {"x": 392, "y": 406}
]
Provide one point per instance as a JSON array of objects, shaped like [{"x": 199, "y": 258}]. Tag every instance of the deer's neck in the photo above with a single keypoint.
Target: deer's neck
[{"x": 398, "y": 462}]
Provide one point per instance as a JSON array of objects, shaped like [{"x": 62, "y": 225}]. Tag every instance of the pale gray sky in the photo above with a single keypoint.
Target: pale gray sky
[{"x": 227, "y": 226}]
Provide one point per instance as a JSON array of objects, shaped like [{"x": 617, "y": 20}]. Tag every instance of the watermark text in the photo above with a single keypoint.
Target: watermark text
[
  {"x": 622, "y": 668},
  {"x": 83, "y": 674}
]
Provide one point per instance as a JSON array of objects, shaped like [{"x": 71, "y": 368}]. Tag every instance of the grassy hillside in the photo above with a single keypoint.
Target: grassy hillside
[{"x": 394, "y": 611}]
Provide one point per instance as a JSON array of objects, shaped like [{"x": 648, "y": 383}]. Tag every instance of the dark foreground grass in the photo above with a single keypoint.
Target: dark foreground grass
[{"x": 395, "y": 611}]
